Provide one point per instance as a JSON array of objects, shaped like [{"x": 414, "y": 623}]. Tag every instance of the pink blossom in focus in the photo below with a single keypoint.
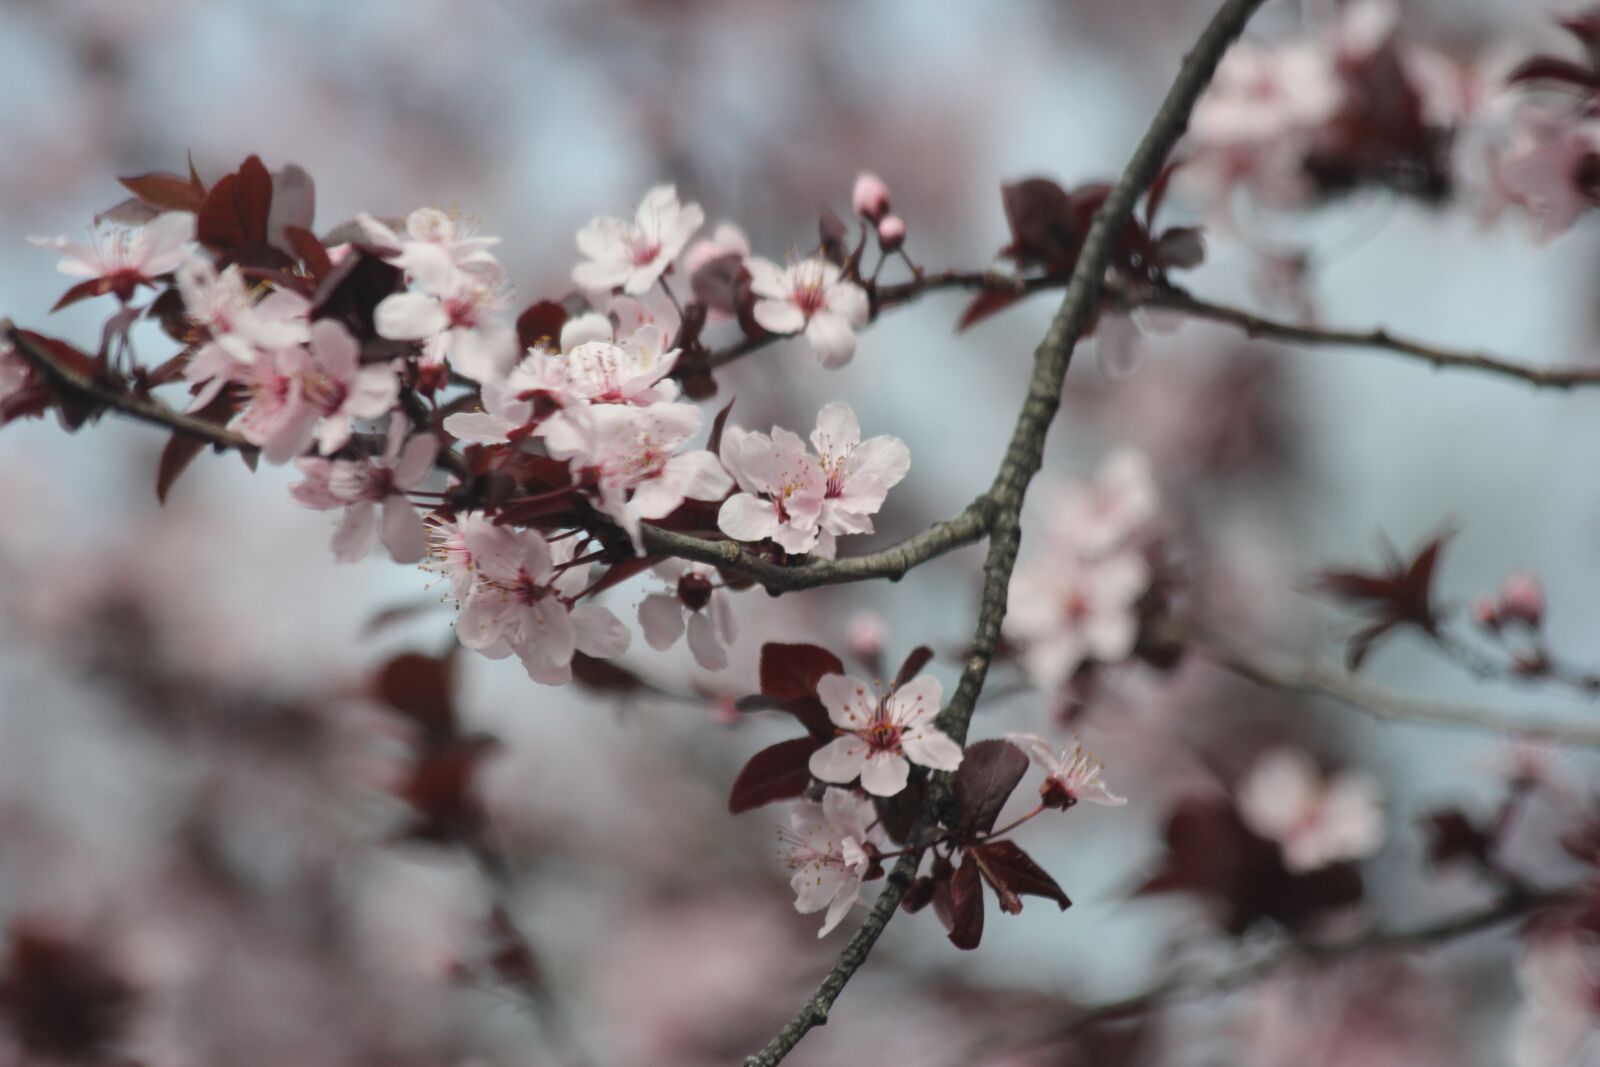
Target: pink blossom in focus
[
  {"x": 457, "y": 314},
  {"x": 883, "y": 734},
  {"x": 694, "y": 602},
  {"x": 830, "y": 847},
  {"x": 634, "y": 255},
  {"x": 1315, "y": 821},
  {"x": 859, "y": 473},
  {"x": 364, "y": 486},
  {"x": 1071, "y": 775},
  {"x": 782, "y": 487},
  {"x": 810, "y": 296},
  {"x": 522, "y": 602}
]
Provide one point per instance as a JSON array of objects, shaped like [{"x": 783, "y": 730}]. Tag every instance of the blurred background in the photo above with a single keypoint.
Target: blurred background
[{"x": 193, "y": 786}]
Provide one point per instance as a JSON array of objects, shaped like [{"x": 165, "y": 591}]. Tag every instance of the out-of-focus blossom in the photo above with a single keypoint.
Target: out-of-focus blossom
[
  {"x": 726, "y": 240},
  {"x": 1262, "y": 93},
  {"x": 337, "y": 389},
  {"x": 429, "y": 227},
  {"x": 810, "y": 296},
  {"x": 694, "y": 602},
  {"x": 1071, "y": 775},
  {"x": 883, "y": 733},
  {"x": 892, "y": 232},
  {"x": 1551, "y": 168},
  {"x": 119, "y": 259},
  {"x": 1066, "y": 610},
  {"x": 830, "y": 847},
  {"x": 1315, "y": 821},
  {"x": 865, "y": 633},
  {"x": 239, "y": 328},
  {"x": 363, "y": 486},
  {"x": 1559, "y": 1024},
  {"x": 1092, "y": 518},
  {"x": 521, "y": 601},
  {"x": 634, "y": 255},
  {"x": 457, "y": 314},
  {"x": 1522, "y": 598}
]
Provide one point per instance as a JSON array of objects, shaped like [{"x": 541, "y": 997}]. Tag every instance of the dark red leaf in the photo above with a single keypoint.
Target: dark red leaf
[
  {"x": 989, "y": 771},
  {"x": 1044, "y": 231},
  {"x": 61, "y": 998},
  {"x": 791, "y": 672},
  {"x": 1013, "y": 874},
  {"x": 233, "y": 219},
  {"x": 899, "y": 813},
  {"x": 1554, "y": 69},
  {"x": 182, "y": 448},
  {"x": 913, "y": 665},
  {"x": 958, "y": 901},
  {"x": 422, "y": 688},
  {"x": 168, "y": 192},
  {"x": 440, "y": 789},
  {"x": 1453, "y": 837},
  {"x": 84, "y": 290},
  {"x": 714, "y": 445},
  {"x": 779, "y": 772},
  {"x": 987, "y": 303},
  {"x": 308, "y": 248},
  {"x": 603, "y": 675},
  {"x": 540, "y": 324}
]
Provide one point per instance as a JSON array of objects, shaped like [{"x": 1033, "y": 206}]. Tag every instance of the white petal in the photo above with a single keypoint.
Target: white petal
[
  {"x": 704, "y": 643},
  {"x": 597, "y": 632},
  {"x": 831, "y": 338},
  {"x": 745, "y": 518},
  {"x": 885, "y": 774},
  {"x": 851, "y": 703},
  {"x": 661, "y": 619},
  {"x": 408, "y": 317},
  {"x": 931, "y": 748},
  {"x": 840, "y": 760}
]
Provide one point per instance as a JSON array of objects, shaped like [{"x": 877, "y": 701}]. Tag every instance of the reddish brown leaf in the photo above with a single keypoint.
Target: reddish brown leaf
[
  {"x": 913, "y": 665},
  {"x": 540, "y": 324},
  {"x": 1013, "y": 874},
  {"x": 779, "y": 772},
  {"x": 182, "y": 448},
  {"x": 169, "y": 192},
  {"x": 791, "y": 672},
  {"x": 987, "y": 303},
  {"x": 602, "y": 675},
  {"x": 1554, "y": 69},
  {"x": 422, "y": 688},
  {"x": 989, "y": 771},
  {"x": 84, "y": 290},
  {"x": 309, "y": 249},
  {"x": 440, "y": 789},
  {"x": 718, "y": 424},
  {"x": 958, "y": 901}
]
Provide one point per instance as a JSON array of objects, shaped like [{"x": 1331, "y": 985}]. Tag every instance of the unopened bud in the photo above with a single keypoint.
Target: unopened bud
[
  {"x": 891, "y": 232},
  {"x": 865, "y": 633},
  {"x": 870, "y": 199},
  {"x": 1484, "y": 613},
  {"x": 1522, "y": 598}
]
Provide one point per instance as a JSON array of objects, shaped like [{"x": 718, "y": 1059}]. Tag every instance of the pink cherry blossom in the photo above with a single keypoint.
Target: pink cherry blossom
[
  {"x": 870, "y": 197},
  {"x": 334, "y": 390},
  {"x": 1072, "y": 775},
  {"x": 522, "y": 601},
  {"x": 620, "y": 450},
  {"x": 726, "y": 240},
  {"x": 1315, "y": 821},
  {"x": 239, "y": 328},
  {"x": 695, "y": 601},
  {"x": 1559, "y": 1024},
  {"x": 1522, "y": 598},
  {"x": 457, "y": 314},
  {"x": 429, "y": 226},
  {"x": 865, "y": 634},
  {"x": 782, "y": 487},
  {"x": 1065, "y": 610},
  {"x": 634, "y": 255},
  {"x": 448, "y": 553},
  {"x": 364, "y": 486},
  {"x": 1262, "y": 93},
  {"x": 831, "y": 846},
  {"x": 1549, "y": 168},
  {"x": 810, "y": 296},
  {"x": 1093, "y": 518},
  {"x": 859, "y": 474},
  {"x": 891, "y": 232},
  {"x": 881, "y": 733},
  {"x": 123, "y": 258}
]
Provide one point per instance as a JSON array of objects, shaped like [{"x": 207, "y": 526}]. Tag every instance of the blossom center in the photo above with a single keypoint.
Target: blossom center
[{"x": 882, "y": 735}]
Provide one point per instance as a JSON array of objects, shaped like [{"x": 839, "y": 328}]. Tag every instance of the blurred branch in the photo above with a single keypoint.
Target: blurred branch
[
  {"x": 1174, "y": 299},
  {"x": 1023, "y": 457},
  {"x": 1311, "y": 677},
  {"x": 1177, "y": 989}
]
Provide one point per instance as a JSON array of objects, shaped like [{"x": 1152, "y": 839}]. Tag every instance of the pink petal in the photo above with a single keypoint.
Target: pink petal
[{"x": 840, "y": 760}]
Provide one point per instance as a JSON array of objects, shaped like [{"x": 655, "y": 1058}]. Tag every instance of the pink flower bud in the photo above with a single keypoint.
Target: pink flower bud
[
  {"x": 865, "y": 634},
  {"x": 1484, "y": 613},
  {"x": 871, "y": 197},
  {"x": 891, "y": 232},
  {"x": 1522, "y": 598}
]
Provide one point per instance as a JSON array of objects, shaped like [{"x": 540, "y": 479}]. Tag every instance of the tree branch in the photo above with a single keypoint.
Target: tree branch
[
  {"x": 1022, "y": 460},
  {"x": 1175, "y": 299},
  {"x": 1311, "y": 677},
  {"x": 1179, "y": 988}
]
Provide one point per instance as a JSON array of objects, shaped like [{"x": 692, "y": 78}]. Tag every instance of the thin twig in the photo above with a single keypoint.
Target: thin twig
[
  {"x": 1296, "y": 674},
  {"x": 1022, "y": 461},
  {"x": 1180, "y": 988}
]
